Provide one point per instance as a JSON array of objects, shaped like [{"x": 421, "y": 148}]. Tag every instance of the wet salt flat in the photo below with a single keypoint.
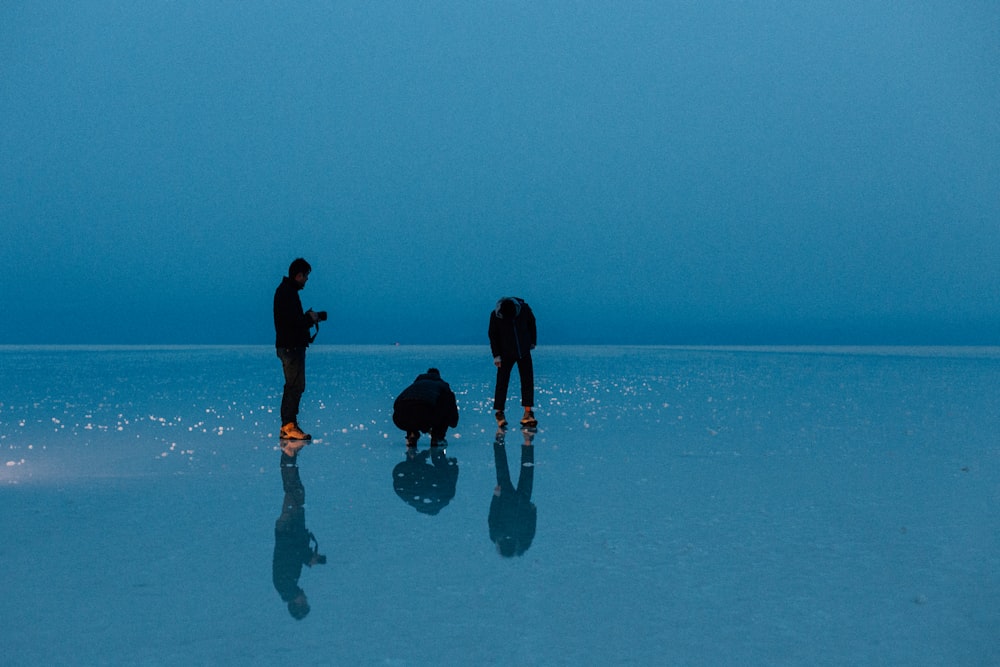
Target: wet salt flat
[{"x": 687, "y": 506}]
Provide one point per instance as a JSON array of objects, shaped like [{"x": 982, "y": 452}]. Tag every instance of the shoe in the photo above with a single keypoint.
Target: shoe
[
  {"x": 501, "y": 420},
  {"x": 291, "y": 448},
  {"x": 291, "y": 431},
  {"x": 529, "y": 419}
]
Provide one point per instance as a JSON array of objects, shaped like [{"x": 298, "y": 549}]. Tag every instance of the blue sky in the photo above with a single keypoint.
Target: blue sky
[{"x": 662, "y": 172}]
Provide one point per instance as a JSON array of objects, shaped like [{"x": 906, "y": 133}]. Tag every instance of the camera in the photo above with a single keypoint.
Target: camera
[
  {"x": 321, "y": 316},
  {"x": 316, "y": 557}
]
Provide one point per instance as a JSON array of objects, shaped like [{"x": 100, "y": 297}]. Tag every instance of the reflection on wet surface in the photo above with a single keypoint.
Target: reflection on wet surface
[
  {"x": 426, "y": 479},
  {"x": 294, "y": 544},
  {"x": 513, "y": 516},
  {"x": 696, "y": 507}
]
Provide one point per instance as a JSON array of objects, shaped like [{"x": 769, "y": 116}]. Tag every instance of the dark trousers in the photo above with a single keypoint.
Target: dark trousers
[
  {"x": 526, "y": 371},
  {"x": 417, "y": 417},
  {"x": 293, "y": 363},
  {"x": 525, "y": 478}
]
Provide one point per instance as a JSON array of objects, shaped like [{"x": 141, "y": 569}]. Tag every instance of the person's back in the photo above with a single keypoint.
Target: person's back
[
  {"x": 427, "y": 405},
  {"x": 427, "y": 388}
]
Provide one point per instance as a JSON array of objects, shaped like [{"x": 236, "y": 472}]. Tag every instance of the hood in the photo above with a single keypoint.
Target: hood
[
  {"x": 517, "y": 301},
  {"x": 431, "y": 374}
]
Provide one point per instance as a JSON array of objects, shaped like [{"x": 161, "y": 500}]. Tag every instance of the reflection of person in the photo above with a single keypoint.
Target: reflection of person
[
  {"x": 426, "y": 406},
  {"x": 292, "y": 541},
  {"x": 512, "y": 338},
  {"x": 292, "y": 337},
  {"x": 428, "y": 487},
  {"x": 512, "y": 514}
]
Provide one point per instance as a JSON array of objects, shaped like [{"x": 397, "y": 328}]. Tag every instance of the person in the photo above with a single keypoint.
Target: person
[
  {"x": 513, "y": 517},
  {"x": 292, "y": 336},
  {"x": 426, "y": 481},
  {"x": 426, "y": 406},
  {"x": 512, "y": 338},
  {"x": 294, "y": 544}
]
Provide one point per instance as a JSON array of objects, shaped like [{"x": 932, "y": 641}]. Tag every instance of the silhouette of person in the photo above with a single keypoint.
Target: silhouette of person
[
  {"x": 512, "y": 514},
  {"x": 426, "y": 406},
  {"x": 292, "y": 336},
  {"x": 512, "y": 335},
  {"x": 294, "y": 545},
  {"x": 426, "y": 486}
]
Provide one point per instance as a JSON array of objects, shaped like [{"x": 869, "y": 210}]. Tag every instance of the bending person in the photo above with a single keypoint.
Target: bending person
[{"x": 426, "y": 406}]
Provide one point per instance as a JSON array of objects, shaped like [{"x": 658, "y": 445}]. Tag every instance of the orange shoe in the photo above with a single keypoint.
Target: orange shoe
[
  {"x": 291, "y": 431},
  {"x": 291, "y": 447}
]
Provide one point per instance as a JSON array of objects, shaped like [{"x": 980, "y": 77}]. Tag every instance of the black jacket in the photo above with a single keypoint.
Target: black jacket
[
  {"x": 426, "y": 486},
  {"x": 291, "y": 538},
  {"x": 513, "y": 517},
  {"x": 291, "y": 325},
  {"x": 430, "y": 390},
  {"x": 512, "y": 338}
]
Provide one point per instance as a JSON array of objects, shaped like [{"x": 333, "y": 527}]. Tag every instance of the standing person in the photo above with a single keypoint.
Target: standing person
[
  {"x": 428, "y": 405},
  {"x": 292, "y": 337},
  {"x": 513, "y": 517},
  {"x": 294, "y": 544},
  {"x": 512, "y": 338}
]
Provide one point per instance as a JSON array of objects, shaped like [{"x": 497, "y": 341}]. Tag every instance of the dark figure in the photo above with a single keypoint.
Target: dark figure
[
  {"x": 426, "y": 406},
  {"x": 292, "y": 337},
  {"x": 294, "y": 545},
  {"x": 512, "y": 338},
  {"x": 512, "y": 514},
  {"x": 428, "y": 487}
]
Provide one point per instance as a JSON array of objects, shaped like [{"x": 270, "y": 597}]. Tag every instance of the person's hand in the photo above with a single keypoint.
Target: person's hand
[
  {"x": 496, "y": 361},
  {"x": 313, "y": 315}
]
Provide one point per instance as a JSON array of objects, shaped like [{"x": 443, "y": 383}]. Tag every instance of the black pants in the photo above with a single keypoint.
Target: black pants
[
  {"x": 417, "y": 417},
  {"x": 293, "y": 363},
  {"x": 526, "y": 371}
]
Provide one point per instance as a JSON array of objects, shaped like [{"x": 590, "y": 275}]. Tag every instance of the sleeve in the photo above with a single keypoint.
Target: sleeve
[
  {"x": 532, "y": 332},
  {"x": 452, "y": 408},
  {"x": 494, "y": 335}
]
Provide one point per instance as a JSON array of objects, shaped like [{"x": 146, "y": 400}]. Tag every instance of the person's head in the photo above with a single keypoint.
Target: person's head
[
  {"x": 434, "y": 372},
  {"x": 507, "y": 547},
  {"x": 299, "y": 270},
  {"x": 298, "y": 607},
  {"x": 508, "y": 308}
]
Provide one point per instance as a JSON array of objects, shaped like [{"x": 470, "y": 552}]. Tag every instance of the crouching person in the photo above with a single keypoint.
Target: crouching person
[{"x": 426, "y": 406}]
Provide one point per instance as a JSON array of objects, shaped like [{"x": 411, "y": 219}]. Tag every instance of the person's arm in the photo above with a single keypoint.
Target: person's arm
[
  {"x": 288, "y": 312},
  {"x": 452, "y": 408},
  {"x": 532, "y": 332},
  {"x": 494, "y": 334}
]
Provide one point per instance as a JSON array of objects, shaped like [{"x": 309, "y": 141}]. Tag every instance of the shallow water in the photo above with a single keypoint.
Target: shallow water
[{"x": 693, "y": 506}]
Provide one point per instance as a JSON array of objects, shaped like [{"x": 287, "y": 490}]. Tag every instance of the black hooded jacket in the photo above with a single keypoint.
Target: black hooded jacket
[
  {"x": 512, "y": 336},
  {"x": 291, "y": 538},
  {"x": 433, "y": 392}
]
